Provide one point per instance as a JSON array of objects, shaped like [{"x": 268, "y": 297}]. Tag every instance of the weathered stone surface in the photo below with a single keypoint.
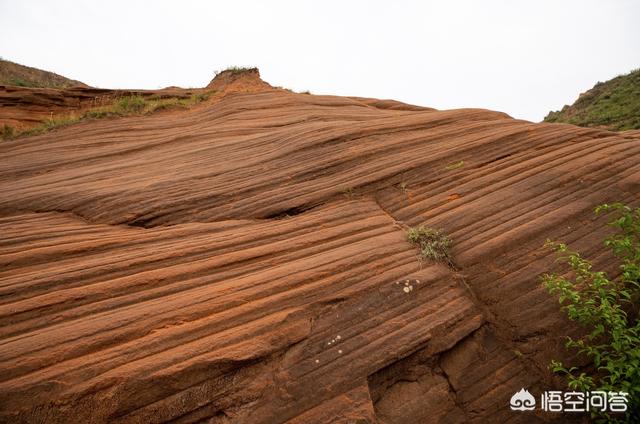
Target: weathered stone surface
[{"x": 246, "y": 260}]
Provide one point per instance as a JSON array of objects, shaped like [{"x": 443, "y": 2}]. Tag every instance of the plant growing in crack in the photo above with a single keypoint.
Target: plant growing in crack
[
  {"x": 608, "y": 309},
  {"x": 348, "y": 192},
  {"x": 433, "y": 243}
]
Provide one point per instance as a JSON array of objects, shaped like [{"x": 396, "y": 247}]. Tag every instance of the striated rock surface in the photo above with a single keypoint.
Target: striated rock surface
[{"x": 246, "y": 261}]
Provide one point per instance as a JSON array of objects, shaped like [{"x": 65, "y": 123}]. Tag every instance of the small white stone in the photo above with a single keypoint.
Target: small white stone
[
  {"x": 397, "y": 282},
  {"x": 407, "y": 283},
  {"x": 417, "y": 281},
  {"x": 410, "y": 288},
  {"x": 406, "y": 289},
  {"x": 317, "y": 361},
  {"x": 339, "y": 351},
  {"x": 338, "y": 337},
  {"x": 333, "y": 340},
  {"x": 328, "y": 343}
]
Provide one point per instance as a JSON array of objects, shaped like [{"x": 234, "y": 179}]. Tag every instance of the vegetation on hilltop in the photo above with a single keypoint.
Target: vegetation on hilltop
[
  {"x": 235, "y": 70},
  {"x": 614, "y": 105}
]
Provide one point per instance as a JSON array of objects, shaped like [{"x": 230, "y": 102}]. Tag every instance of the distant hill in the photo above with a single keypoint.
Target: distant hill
[
  {"x": 24, "y": 76},
  {"x": 614, "y": 105}
]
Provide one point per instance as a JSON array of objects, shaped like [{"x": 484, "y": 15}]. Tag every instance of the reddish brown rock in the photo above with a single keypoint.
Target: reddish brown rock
[{"x": 246, "y": 260}]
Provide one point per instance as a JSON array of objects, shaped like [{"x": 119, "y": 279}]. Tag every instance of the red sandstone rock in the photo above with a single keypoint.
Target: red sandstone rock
[{"x": 244, "y": 261}]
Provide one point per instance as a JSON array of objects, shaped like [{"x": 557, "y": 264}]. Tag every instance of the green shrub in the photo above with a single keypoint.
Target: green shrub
[
  {"x": 20, "y": 82},
  {"x": 96, "y": 114},
  {"x": 131, "y": 104},
  {"x": 199, "y": 97},
  {"x": 608, "y": 309},
  {"x": 433, "y": 243}
]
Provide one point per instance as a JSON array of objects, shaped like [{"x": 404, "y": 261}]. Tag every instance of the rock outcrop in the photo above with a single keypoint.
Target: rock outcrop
[
  {"x": 246, "y": 261},
  {"x": 238, "y": 80}
]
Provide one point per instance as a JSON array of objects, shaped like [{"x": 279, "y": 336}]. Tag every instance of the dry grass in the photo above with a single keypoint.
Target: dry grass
[
  {"x": 454, "y": 165},
  {"x": 123, "y": 106},
  {"x": 433, "y": 243}
]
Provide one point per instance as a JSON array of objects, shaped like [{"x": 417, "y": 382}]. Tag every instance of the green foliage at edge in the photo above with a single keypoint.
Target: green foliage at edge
[
  {"x": 614, "y": 105},
  {"x": 609, "y": 311}
]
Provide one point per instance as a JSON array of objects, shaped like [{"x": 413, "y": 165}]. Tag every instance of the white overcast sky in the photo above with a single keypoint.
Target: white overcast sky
[{"x": 521, "y": 57}]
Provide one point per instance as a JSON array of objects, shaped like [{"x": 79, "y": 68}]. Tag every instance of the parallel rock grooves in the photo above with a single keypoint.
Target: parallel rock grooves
[
  {"x": 215, "y": 311},
  {"x": 94, "y": 334}
]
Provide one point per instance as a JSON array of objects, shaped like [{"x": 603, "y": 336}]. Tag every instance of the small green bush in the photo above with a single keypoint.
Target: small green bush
[
  {"x": 608, "y": 309},
  {"x": 199, "y": 97},
  {"x": 20, "y": 82},
  {"x": 131, "y": 104},
  {"x": 96, "y": 114},
  {"x": 433, "y": 243}
]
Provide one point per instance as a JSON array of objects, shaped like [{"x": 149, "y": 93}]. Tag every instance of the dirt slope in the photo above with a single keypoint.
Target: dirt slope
[
  {"x": 30, "y": 96},
  {"x": 25, "y": 76},
  {"x": 245, "y": 261}
]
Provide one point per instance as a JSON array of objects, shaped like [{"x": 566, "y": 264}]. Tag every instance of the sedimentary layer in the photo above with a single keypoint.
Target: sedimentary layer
[{"x": 246, "y": 261}]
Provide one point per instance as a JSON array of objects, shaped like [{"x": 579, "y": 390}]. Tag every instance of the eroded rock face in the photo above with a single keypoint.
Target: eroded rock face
[
  {"x": 246, "y": 261},
  {"x": 238, "y": 80}
]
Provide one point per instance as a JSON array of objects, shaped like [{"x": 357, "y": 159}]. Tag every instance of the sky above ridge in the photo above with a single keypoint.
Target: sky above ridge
[{"x": 520, "y": 57}]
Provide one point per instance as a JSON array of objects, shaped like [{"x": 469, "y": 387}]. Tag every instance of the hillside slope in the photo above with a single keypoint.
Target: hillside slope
[
  {"x": 613, "y": 105},
  {"x": 246, "y": 261},
  {"x": 25, "y": 76},
  {"x": 31, "y": 97}
]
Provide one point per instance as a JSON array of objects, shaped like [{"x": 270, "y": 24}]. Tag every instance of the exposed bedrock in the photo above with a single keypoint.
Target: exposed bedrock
[{"x": 246, "y": 261}]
